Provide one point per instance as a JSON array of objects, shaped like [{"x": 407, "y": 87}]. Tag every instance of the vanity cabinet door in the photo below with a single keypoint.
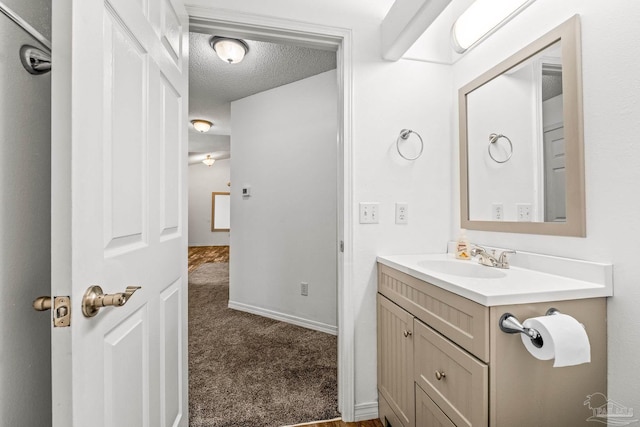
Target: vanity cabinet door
[
  {"x": 395, "y": 360},
  {"x": 456, "y": 381}
]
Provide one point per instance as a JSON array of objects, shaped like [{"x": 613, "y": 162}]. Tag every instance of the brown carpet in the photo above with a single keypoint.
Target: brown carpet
[{"x": 250, "y": 371}]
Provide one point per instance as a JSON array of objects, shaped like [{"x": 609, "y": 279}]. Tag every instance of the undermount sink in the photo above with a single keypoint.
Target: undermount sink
[{"x": 461, "y": 268}]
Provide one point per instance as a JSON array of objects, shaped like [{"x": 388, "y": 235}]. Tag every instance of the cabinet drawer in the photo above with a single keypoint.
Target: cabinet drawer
[
  {"x": 463, "y": 321},
  {"x": 462, "y": 391},
  {"x": 428, "y": 414}
]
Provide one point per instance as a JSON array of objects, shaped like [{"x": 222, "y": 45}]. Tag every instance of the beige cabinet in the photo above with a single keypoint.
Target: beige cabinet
[
  {"x": 428, "y": 413},
  {"x": 443, "y": 361},
  {"x": 395, "y": 367}
]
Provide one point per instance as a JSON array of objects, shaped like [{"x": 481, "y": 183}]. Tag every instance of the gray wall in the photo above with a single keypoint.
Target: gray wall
[
  {"x": 25, "y": 244},
  {"x": 284, "y": 147}
]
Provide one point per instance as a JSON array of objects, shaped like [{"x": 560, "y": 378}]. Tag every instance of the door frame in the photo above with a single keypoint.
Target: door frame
[{"x": 262, "y": 28}]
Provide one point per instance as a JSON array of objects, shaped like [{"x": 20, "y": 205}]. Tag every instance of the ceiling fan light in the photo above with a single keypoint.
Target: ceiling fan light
[
  {"x": 201, "y": 125},
  {"x": 229, "y": 50}
]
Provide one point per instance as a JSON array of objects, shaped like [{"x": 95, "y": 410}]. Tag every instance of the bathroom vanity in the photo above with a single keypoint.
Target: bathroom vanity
[{"x": 443, "y": 360}]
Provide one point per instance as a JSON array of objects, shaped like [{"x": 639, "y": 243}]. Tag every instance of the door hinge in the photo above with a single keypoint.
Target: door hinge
[{"x": 341, "y": 246}]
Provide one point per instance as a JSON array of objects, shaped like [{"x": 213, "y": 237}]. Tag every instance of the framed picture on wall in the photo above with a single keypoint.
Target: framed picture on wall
[{"x": 220, "y": 211}]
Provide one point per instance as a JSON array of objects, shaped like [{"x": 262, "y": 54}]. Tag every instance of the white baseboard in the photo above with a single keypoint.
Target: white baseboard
[
  {"x": 366, "y": 411},
  {"x": 299, "y": 321}
]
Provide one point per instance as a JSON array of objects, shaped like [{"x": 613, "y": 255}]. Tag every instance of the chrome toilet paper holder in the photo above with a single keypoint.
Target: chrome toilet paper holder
[{"x": 511, "y": 325}]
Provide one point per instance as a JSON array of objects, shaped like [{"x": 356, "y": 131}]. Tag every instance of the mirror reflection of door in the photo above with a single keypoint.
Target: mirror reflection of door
[
  {"x": 553, "y": 144},
  {"x": 220, "y": 211},
  {"x": 555, "y": 172}
]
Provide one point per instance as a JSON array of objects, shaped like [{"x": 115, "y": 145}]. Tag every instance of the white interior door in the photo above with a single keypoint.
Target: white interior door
[
  {"x": 555, "y": 193},
  {"x": 119, "y": 146}
]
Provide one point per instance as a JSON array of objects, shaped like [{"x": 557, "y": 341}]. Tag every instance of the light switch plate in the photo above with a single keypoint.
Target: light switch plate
[
  {"x": 523, "y": 212},
  {"x": 369, "y": 212}
]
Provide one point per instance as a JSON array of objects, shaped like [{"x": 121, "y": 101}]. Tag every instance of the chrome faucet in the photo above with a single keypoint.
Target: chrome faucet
[{"x": 489, "y": 259}]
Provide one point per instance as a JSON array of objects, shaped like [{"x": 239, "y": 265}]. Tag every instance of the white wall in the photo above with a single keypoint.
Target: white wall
[
  {"x": 284, "y": 147},
  {"x": 611, "y": 90},
  {"x": 25, "y": 242},
  {"x": 506, "y": 106},
  {"x": 387, "y": 97},
  {"x": 203, "y": 180}
]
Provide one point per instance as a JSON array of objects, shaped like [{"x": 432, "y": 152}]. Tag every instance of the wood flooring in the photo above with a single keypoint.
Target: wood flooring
[
  {"x": 339, "y": 423},
  {"x": 199, "y": 255}
]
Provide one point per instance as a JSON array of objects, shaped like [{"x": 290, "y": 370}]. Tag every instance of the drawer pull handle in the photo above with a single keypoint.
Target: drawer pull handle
[
  {"x": 440, "y": 375},
  {"x": 407, "y": 333}
]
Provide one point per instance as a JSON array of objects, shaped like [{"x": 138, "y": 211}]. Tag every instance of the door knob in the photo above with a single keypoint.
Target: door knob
[
  {"x": 42, "y": 304},
  {"x": 407, "y": 333},
  {"x": 94, "y": 299}
]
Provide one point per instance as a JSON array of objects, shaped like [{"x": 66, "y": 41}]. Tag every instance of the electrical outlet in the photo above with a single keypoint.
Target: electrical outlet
[
  {"x": 497, "y": 212},
  {"x": 369, "y": 213},
  {"x": 402, "y": 213},
  {"x": 524, "y": 212},
  {"x": 304, "y": 289}
]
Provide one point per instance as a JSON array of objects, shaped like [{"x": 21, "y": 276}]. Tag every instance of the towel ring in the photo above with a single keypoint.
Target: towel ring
[
  {"x": 494, "y": 137},
  {"x": 404, "y": 135}
]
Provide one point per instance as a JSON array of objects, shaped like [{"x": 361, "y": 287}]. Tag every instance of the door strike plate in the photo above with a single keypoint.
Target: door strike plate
[{"x": 61, "y": 312}]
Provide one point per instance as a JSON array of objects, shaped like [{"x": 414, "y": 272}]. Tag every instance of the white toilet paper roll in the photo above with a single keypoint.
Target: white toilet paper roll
[{"x": 564, "y": 338}]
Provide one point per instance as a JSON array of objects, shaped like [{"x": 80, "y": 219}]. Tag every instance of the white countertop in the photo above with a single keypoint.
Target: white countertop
[{"x": 515, "y": 285}]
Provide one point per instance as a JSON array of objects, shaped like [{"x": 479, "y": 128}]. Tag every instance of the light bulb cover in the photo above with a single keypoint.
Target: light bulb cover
[
  {"x": 201, "y": 125},
  {"x": 228, "y": 49},
  {"x": 481, "y": 19},
  {"x": 209, "y": 161}
]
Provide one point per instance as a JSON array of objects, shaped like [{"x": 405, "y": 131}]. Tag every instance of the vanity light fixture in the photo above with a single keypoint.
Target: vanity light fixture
[
  {"x": 201, "y": 125},
  {"x": 209, "y": 161},
  {"x": 228, "y": 49},
  {"x": 483, "y": 18}
]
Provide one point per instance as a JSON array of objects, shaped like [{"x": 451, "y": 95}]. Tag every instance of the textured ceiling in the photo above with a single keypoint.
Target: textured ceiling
[{"x": 213, "y": 84}]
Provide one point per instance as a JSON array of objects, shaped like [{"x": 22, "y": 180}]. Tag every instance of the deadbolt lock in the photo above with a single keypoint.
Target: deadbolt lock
[
  {"x": 94, "y": 299},
  {"x": 61, "y": 309}
]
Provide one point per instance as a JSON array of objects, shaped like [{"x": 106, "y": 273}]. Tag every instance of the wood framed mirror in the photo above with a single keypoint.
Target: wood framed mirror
[
  {"x": 521, "y": 141},
  {"x": 220, "y": 211}
]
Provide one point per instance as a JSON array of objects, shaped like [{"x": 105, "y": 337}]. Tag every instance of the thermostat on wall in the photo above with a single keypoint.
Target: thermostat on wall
[{"x": 246, "y": 191}]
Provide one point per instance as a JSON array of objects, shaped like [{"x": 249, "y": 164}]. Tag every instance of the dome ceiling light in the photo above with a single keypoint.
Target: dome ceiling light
[
  {"x": 201, "y": 125},
  {"x": 229, "y": 50},
  {"x": 209, "y": 161}
]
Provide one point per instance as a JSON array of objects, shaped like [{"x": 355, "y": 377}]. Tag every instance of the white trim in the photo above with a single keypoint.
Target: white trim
[
  {"x": 283, "y": 317},
  {"x": 366, "y": 411},
  {"x": 257, "y": 27},
  {"x": 265, "y": 28}
]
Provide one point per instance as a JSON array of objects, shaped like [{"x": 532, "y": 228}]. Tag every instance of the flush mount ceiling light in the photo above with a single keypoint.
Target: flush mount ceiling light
[
  {"x": 201, "y": 125},
  {"x": 209, "y": 161},
  {"x": 481, "y": 19},
  {"x": 229, "y": 50}
]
